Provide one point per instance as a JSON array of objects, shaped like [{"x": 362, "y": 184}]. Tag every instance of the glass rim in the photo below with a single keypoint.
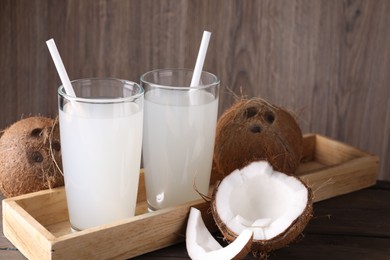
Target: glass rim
[
  {"x": 215, "y": 78},
  {"x": 140, "y": 92}
]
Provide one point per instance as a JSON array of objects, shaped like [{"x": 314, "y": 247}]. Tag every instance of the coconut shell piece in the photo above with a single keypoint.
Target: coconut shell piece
[
  {"x": 30, "y": 156},
  {"x": 252, "y": 130},
  {"x": 202, "y": 245}
]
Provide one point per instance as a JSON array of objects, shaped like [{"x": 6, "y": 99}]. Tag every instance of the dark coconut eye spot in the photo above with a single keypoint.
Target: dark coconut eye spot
[
  {"x": 37, "y": 157},
  {"x": 269, "y": 117},
  {"x": 250, "y": 112},
  {"x": 56, "y": 146},
  {"x": 36, "y": 132},
  {"x": 255, "y": 128}
]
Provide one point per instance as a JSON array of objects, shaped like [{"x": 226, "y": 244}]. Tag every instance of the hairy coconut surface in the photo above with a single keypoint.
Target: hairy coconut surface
[
  {"x": 252, "y": 130},
  {"x": 276, "y": 206},
  {"x": 30, "y": 156}
]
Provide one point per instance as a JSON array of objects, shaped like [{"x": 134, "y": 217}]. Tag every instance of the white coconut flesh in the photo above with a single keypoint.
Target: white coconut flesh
[
  {"x": 259, "y": 198},
  {"x": 202, "y": 245}
]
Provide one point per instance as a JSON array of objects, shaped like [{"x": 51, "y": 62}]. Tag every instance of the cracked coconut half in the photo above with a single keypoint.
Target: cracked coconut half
[{"x": 274, "y": 205}]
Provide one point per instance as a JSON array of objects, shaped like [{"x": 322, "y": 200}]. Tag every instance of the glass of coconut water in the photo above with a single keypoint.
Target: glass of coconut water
[
  {"x": 179, "y": 133},
  {"x": 101, "y": 140}
]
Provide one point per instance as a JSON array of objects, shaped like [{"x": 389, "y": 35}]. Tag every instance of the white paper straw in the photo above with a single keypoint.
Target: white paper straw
[
  {"x": 200, "y": 59},
  {"x": 60, "y": 67}
]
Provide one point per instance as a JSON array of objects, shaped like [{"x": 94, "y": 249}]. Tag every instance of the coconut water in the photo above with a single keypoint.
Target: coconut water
[
  {"x": 178, "y": 146},
  {"x": 101, "y": 153}
]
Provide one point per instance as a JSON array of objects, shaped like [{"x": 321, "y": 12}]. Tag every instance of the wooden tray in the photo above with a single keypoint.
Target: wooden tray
[{"x": 38, "y": 225}]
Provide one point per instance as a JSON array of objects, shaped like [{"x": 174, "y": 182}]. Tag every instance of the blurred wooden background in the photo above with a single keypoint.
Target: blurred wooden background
[{"x": 328, "y": 61}]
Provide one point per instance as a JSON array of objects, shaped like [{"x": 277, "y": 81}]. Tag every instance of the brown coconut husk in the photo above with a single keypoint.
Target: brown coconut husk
[
  {"x": 30, "y": 156},
  {"x": 263, "y": 247},
  {"x": 253, "y": 130}
]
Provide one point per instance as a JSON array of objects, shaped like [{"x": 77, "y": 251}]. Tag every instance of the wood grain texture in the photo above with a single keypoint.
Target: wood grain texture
[{"x": 328, "y": 61}]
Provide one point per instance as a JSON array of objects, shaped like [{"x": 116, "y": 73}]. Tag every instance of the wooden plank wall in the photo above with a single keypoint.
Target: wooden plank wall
[{"x": 328, "y": 61}]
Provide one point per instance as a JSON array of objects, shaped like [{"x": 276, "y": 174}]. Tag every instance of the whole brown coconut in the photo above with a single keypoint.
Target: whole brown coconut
[
  {"x": 30, "y": 156},
  {"x": 252, "y": 130}
]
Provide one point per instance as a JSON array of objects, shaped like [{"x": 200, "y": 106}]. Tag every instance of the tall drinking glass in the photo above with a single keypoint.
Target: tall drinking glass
[
  {"x": 101, "y": 140},
  {"x": 179, "y": 133}
]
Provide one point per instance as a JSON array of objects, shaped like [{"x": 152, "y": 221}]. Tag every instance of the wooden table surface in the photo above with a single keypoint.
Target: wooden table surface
[{"x": 352, "y": 226}]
